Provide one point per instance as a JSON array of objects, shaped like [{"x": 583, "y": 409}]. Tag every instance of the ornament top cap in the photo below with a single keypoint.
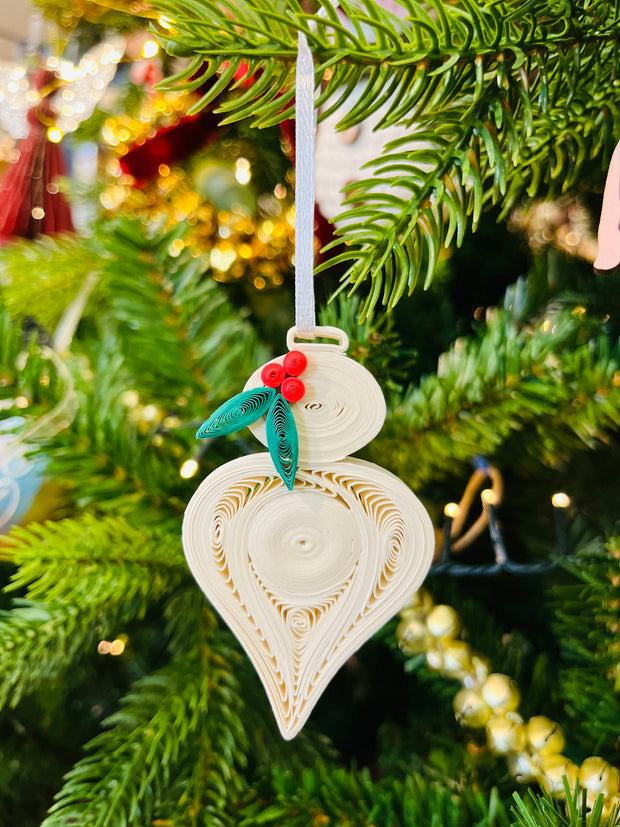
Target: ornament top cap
[
  {"x": 322, "y": 332},
  {"x": 342, "y": 408}
]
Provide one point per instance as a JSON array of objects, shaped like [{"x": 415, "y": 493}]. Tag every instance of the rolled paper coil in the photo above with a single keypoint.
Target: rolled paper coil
[
  {"x": 282, "y": 439},
  {"x": 238, "y": 412}
]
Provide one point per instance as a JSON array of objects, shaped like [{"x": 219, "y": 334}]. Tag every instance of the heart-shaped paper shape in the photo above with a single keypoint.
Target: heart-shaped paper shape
[{"x": 304, "y": 577}]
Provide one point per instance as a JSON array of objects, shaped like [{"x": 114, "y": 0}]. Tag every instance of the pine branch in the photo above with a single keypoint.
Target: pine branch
[
  {"x": 184, "y": 717},
  {"x": 26, "y": 372},
  {"x": 586, "y": 626},
  {"x": 47, "y": 556},
  {"x": 326, "y": 795},
  {"x": 107, "y": 459},
  {"x": 135, "y": 310},
  {"x": 502, "y": 102},
  {"x": 224, "y": 346},
  {"x": 510, "y": 378},
  {"x": 432, "y": 53},
  {"x": 29, "y": 286},
  {"x": 91, "y": 573},
  {"x": 545, "y": 811},
  {"x": 456, "y": 165}
]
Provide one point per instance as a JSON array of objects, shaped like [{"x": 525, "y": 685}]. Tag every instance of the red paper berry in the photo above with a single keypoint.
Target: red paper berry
[
  {"x": 295, "y": 362},
  {"x": 292, "y": 389},
  {"x": 272, "y": 375}
]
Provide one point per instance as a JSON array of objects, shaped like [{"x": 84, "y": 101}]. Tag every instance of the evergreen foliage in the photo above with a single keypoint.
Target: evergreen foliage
[
  {"x": 178, "y": 728},
  {"x": 78, "y": 575},
  {"x": 502, "y": 101},
  {"x": 587, "y": 624},
  {"x": 521, "y": 375},
  {"x": 505, "y": 102}
]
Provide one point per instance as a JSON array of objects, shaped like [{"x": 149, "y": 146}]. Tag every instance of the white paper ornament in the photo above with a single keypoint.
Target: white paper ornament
[
  {"x": 304, "y": 551},
  {"x": 304, "y": 577}
]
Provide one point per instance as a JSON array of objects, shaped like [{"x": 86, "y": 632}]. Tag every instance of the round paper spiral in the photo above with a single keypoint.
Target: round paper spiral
[{"x": 342, "y": 409}]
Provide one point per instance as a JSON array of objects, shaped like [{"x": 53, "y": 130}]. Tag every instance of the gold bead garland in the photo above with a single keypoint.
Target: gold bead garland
[{"x": 533, "y": 749}]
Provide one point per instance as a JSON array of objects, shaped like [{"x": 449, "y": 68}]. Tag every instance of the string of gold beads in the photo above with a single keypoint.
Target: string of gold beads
[{"x": 533, "y": 748}]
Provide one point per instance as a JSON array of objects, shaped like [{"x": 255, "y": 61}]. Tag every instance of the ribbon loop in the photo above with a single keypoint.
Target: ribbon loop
[{"x": 305, "y": 123}]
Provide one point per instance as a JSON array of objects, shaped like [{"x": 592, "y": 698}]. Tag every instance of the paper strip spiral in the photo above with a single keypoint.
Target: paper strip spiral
[
  {"x": 237, "y": 413},
  {"x": 282, "y": 440}
]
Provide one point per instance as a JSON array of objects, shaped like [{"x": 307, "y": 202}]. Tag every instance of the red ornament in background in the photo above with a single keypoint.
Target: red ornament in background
[
  {"x": 30, "y": 201},
  {"x": 171, "y": 145}
]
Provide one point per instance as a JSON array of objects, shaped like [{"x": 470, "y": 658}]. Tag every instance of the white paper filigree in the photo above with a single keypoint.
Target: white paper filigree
[{"x": 304, "y": 577}]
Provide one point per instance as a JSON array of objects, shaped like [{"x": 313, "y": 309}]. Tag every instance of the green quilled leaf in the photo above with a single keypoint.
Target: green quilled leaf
[
  {"x": 282, "y": 440},
  {"x": 239, "y": 412}
]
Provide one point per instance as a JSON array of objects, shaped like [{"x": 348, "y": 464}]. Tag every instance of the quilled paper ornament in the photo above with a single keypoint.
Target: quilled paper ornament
[{"x": 304, "y": 551}]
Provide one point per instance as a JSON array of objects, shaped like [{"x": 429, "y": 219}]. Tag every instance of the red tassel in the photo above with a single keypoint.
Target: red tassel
[{"x": 30, "y": 202}]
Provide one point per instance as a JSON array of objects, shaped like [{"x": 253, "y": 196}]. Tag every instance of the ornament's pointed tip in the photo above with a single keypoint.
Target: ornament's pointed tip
[{"x": 290, "y": 729}]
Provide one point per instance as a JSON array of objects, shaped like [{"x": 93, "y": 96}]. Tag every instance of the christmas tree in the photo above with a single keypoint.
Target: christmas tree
[{"x": 492, "y": 699}]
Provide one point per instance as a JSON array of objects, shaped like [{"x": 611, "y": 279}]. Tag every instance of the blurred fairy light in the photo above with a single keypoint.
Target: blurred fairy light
[
  {"x": 242, "y": 171},
  {"x": 222, "y": 257},
  {"x": 451, "y": 510},
  {"x": 189, "y": 469},
  {"x": 149, "y": 49},
  {"x": 565, "y": 223},
  {"x": 38, "y": 213},
  {"x": 115, "y": 647},
  {"x": 165, "y": 22},
  {"x": 150, "y": 413},
  {"x": 81, "y": 87},
  {"x": 68, "y": 72},
  {"x": 54, "y": 135},
  {"x": 560, "y": 500},
  {"x": 488, "y": 496},
  {"x": 176, "y": 247}
]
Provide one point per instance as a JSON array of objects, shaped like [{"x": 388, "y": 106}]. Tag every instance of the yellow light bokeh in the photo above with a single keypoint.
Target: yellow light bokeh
[
  {"x": 54, "y": 135},
  {"x": 560, "y": 500},
  {"x": 189, "y": 469},
  {"x": 149, "y": 48}
]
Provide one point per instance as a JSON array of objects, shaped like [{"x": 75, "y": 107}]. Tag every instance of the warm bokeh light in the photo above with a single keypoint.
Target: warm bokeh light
[
  {"x": 189, "y": 468},
  {"x": 560, "y": 500},
  {"x": 149, "y": 48}
]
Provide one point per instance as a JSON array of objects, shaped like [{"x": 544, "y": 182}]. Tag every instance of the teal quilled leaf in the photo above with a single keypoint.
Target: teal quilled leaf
[
  {"x": 240, "y": 411},
  {"x": 282, "y": 440}
]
